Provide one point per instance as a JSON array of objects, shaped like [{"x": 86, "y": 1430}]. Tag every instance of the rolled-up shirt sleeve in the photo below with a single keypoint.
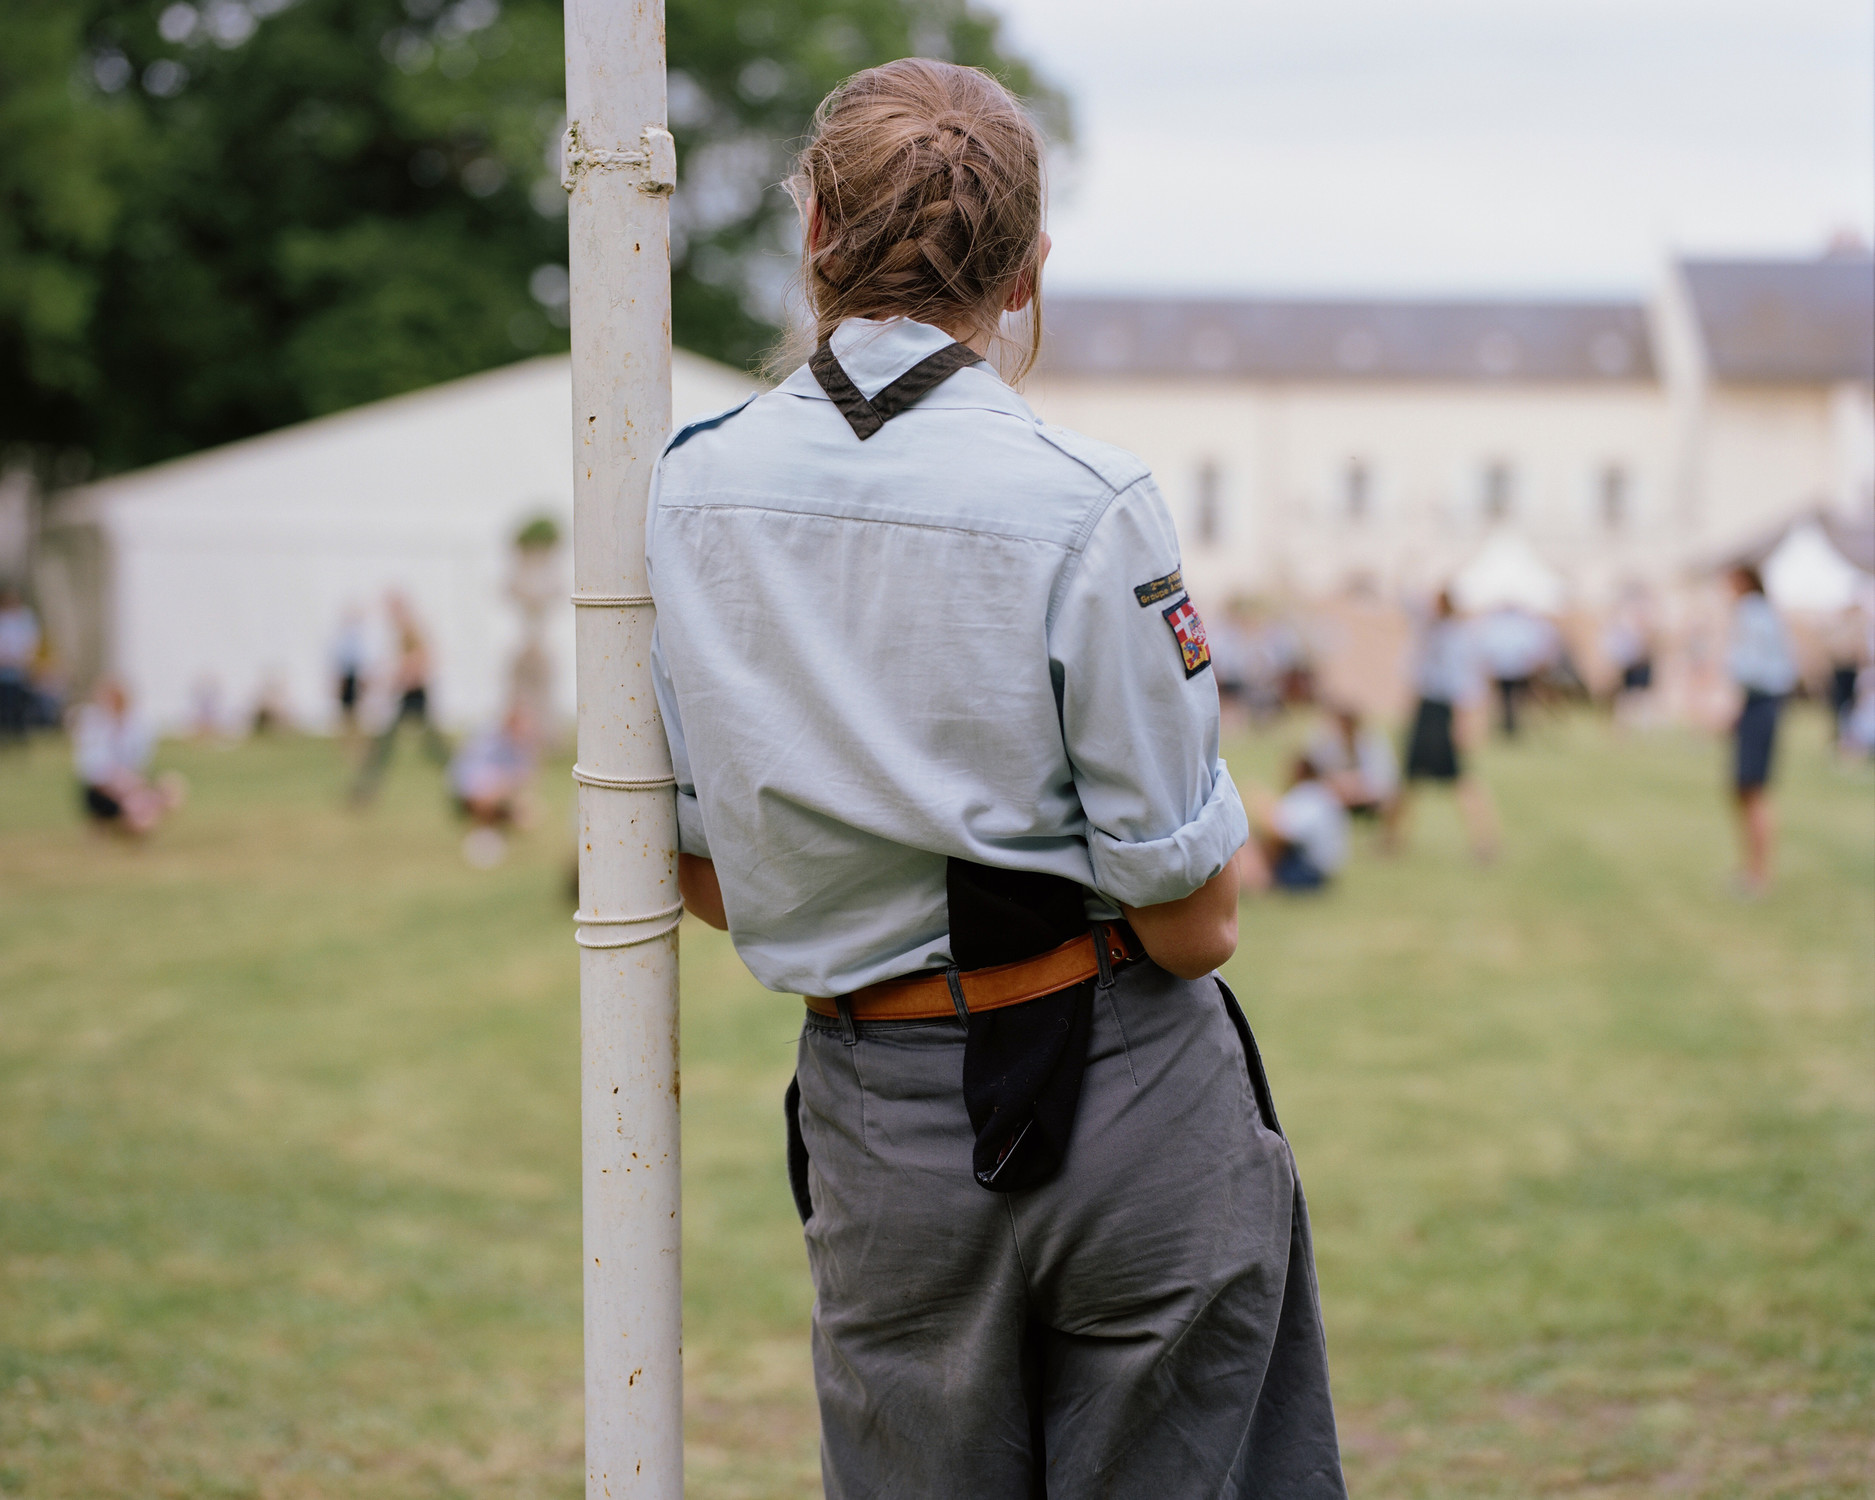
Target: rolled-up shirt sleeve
[
  {"x": 691, "y": 838},
  {"x": 1139, "y": 711}
]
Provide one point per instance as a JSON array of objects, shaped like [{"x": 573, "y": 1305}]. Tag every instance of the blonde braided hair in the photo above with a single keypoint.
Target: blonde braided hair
[{"x": 923, "y": 182}]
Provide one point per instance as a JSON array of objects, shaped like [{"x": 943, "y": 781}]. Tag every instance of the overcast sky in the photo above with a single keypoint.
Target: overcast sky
[{"x": 1470, "y": 147}]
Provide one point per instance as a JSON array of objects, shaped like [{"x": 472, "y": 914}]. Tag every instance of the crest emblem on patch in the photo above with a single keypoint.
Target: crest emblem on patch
[
  {"x": 1159, "y": 588},
  {"x": 1189, "y": 629}
]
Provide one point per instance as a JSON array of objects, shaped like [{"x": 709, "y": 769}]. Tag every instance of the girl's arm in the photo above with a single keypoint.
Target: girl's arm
[
  {"x": 703, "y": 892},
  {"x": 1139, "y": 720},
  {"x": 1192, "y": 936}
]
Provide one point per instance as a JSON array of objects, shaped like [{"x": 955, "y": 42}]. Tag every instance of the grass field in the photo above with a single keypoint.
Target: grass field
[{"x": 289, "y": 1141}]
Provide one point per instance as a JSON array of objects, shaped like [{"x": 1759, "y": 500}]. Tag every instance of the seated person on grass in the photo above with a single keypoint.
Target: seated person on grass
[
  {"x": 111, "y": 748},
  {"x": 1299, "y": 841},
  {"x": 489, "y": 778}
]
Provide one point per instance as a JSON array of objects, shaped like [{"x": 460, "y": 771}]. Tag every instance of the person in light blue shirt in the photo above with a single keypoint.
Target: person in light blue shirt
[
  {"x": 1516, "y": 646},
  {"x": 944, "y": 728},
  {"x": 879, "y": 667},
  {"x": 1763, "y": 668},
  {"x": 1448, "y": 675}
]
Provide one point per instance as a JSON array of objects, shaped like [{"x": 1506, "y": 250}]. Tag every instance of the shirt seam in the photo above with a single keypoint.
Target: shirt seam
[
  {"x": 833, "y": 515},
  {"x": 1077, "y": 550}
]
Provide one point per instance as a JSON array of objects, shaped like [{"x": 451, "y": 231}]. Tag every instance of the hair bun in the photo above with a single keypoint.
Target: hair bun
[{"x": 927, "y": 182}]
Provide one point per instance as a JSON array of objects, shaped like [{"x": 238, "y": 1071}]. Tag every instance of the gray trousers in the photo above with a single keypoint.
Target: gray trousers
[{"x": 1145, "y": 1324}]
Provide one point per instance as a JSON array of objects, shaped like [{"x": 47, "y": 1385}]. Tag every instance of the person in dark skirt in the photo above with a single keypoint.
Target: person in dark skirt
[
  {"x": 1765, "y": 671},
  {"x": 1448, "y": 678}
]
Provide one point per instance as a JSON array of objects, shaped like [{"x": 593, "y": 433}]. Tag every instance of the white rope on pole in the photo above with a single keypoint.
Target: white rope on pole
[
  {"x": 622, "y": 783},
  {"x": 619, "y": 165},
  {"x": 640, "y": 928},
  {"x": 610, "y": 601}
]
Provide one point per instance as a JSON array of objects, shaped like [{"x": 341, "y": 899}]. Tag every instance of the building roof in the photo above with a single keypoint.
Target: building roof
[
  {"x": 1256, "y": 338},
  {"x": 1786, "y": 321}
]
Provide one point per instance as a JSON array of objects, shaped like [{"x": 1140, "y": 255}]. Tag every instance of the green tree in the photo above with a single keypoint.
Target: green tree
[{"x": 223, "y": 216}]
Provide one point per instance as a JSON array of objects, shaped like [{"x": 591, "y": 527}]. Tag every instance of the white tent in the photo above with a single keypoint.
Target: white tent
[
  {"x": 1507, "y": 573},
  {"x": 1805, "y": 572},
  {"x": 233, "y": 568}
]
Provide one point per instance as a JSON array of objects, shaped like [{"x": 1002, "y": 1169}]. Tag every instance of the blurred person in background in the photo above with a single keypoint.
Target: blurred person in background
[
  {"x": 1291, "y": 659},
  {"x": 490, "y": 779},
  {"x": 1851, "y": 649},
  {"x": 351, "y": 656},
  {"x": 205, "y": 717},
  {"x": 1448, "y": 678},
  {"x": 1355, "y": 761},
  {"x": 1515, "y": 647},
  {"x": 410, "y": 685},
  {"x": 1628, "y": 645},
  {"x": 1231, "y": 665},
  {"x": 1764, "y": 670},
  {"x": 1857, "y": 741},
  {"x": 1261, "y": 646},
  {"x": 273, "y": 713},
  {"x": 111, "y": 749},
  {"x": 19, "y": 648},
  {"x": 1300, "y": 841}
]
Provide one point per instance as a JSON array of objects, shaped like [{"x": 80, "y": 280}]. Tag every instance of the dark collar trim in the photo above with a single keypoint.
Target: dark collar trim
[{"x": 867, "y": 417}]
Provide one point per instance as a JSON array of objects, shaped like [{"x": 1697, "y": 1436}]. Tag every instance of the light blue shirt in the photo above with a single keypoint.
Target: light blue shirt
[
  {"x": 948, "y": 640},
  {"x": 1515, "y": 644},
  {"x": 1447, "y": 669},
  {"x": 1759, "y": 654}
]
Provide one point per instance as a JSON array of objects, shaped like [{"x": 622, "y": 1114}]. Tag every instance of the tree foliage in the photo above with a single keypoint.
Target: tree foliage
[{"x": 220, "y": 217}]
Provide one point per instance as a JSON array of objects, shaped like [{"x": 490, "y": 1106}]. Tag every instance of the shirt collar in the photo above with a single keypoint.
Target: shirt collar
[{"x": 874, "y": 352}]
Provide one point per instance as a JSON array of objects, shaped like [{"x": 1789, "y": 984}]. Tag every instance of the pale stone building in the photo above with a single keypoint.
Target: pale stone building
[{"x": 1308, "y": 448}]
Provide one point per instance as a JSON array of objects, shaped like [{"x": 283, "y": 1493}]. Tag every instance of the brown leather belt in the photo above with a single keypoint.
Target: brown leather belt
[{"x": 927, "y": 997}]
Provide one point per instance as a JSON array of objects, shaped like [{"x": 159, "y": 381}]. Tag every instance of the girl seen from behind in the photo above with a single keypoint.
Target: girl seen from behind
[{"x": 946, "y": 741}]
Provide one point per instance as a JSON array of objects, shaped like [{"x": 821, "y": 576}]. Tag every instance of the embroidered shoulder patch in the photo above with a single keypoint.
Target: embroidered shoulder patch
[
  {"x": 1189, "y": 629},
  {"x": 1160, "y": 588}
]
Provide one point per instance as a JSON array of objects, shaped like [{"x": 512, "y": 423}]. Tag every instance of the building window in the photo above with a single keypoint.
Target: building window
[
  {"x": 1357, "y": 490},
  {"x": 1499, "y": 490},
  {"x": 1612, "y": 496},
  {"x": 1208, "y": 512}
]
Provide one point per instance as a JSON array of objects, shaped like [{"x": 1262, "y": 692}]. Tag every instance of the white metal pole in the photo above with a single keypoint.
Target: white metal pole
[{"x": 620, "y": 168}]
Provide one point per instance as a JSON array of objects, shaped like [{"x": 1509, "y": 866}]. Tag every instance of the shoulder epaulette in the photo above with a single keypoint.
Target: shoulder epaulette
[{"x": 703, "y": 424}]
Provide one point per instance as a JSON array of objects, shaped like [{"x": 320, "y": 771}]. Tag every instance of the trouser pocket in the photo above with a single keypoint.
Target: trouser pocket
[{"x": 1253, "y": 1059}]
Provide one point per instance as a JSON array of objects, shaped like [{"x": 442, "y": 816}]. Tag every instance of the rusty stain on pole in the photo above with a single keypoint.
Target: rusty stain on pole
[{"x": 619, "y": 165}]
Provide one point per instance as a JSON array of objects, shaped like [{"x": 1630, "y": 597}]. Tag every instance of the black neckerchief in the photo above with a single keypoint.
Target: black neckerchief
[
  {"x": 867, "y": 417},
  {"x": 1022, "y": 1063}
]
